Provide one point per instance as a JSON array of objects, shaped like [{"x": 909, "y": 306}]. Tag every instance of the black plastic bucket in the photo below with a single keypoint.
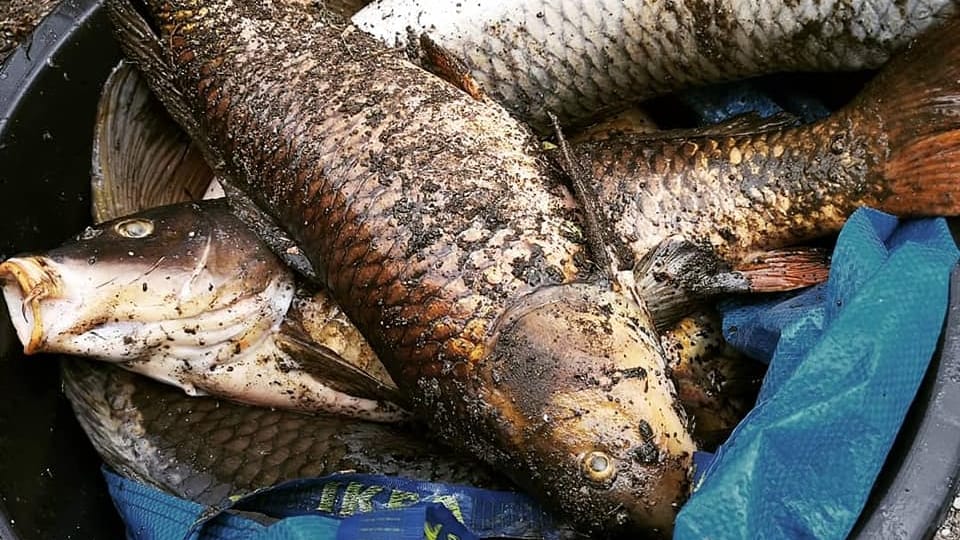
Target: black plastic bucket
[{"x": 50, "y": 484}]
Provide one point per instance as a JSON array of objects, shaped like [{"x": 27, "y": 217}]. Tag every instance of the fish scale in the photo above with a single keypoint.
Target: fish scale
[
  {"x": 451, "y": 308},
  {"x": 578, "y": 59},
  {"x": 205, "y": 450},
  {"x": 562, "y": 387},
  {"x": 733, "y": 200}
]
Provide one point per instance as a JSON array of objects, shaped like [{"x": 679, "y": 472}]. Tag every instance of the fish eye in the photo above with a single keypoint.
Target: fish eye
[
  {"x": 598, "y": 467},
  {"x": 134, "y": 228}
]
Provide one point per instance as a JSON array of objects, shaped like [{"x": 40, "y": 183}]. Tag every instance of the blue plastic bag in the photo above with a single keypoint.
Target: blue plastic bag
[
  {"x": 846, "y": 361},
  {"x": 342, "y": 506}
]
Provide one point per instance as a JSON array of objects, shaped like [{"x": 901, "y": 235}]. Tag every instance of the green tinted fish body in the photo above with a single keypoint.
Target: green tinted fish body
[{"x": 206, "y": 450}]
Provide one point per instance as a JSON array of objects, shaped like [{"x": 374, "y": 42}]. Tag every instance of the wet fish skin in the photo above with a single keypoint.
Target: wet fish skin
[
  {"x": 896, "y": 147},
  {"x": 132, "y": 157},
  {"x": 204, "y": 449},
  {"x": 185, "y": 294},
  {"x": 435, "y": 224},
  {"x": 142, "y": 159},
  {"x": 578, "y": 59}
]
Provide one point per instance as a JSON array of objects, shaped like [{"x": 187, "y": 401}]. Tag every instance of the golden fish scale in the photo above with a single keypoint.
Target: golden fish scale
[{"x": 739, "y": 194}]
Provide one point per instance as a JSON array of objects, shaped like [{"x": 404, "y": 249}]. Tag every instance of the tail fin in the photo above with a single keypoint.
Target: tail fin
[{"x": 917, "y": 96}]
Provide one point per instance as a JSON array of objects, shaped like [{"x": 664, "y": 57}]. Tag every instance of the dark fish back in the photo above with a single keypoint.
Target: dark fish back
[{"x": 411, "y": 280}]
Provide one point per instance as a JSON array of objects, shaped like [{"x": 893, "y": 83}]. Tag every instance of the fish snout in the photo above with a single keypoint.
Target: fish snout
[{"x": 26, "y": 282}]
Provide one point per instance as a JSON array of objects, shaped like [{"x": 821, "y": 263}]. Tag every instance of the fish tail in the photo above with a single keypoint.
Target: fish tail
[{"x": 917, "y": 98}]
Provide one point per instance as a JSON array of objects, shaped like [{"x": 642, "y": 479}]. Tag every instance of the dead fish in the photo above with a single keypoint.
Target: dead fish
[
  {"x": 435, "y": 223},
  {"x": 353, "y": 199},
  {"x": 188, "y": 295},
  {"x": 577, "y": 59},
  {"x": 142, "y": 159},
  {"x": 204, "y": 449},
  {"x": 716, "y": 384},
  {"x": 137, "y": 137},
  {"x": 701, "y": 213}
]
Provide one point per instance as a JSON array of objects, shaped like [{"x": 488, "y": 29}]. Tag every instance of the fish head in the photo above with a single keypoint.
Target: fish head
[
  {"x": 142, "y": 282},
  {"x": 579, "y": 373}
]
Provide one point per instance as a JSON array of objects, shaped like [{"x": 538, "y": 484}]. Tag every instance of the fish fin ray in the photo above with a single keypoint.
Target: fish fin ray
[
  {"x": 141, "y": 158},
  {"x": 599, "y": 238},
  {"x": 745, "y": 124},
  {"x": 676, "y": 274},
  {"x": 331, "y": 369},
  {"x": 265, "y": 227},
  {"x": 142, "y": 46},
  {"x": 785, "y": 269},
  {"x": 449, "y": 67},
  {"x": 917, "y": 97}
]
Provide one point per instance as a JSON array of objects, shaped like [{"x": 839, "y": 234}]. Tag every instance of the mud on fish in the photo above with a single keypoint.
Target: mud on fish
[{"x": 354, "y": 161}]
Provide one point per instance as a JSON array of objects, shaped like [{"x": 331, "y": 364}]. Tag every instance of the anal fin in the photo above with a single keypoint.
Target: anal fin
[{"x": 785, "y": 269}]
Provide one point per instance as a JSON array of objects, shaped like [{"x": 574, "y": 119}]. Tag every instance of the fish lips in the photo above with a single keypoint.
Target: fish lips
[
  {"x": 26, "y": 282},
  {"x": 64, "y": 303}
]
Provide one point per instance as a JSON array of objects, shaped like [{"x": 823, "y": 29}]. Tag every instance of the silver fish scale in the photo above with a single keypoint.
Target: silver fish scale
[{"x": 579, "y": 59}]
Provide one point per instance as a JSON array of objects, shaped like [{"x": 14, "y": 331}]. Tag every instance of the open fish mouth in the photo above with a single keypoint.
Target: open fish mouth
[{"x": 27, "y": 281}]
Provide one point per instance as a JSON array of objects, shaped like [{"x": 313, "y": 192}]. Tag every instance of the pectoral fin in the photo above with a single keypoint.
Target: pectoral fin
[
  {"x": 330, "y": 369},
  {"x": 677, "y": 274},
  {"x": 785, "y": 269}
]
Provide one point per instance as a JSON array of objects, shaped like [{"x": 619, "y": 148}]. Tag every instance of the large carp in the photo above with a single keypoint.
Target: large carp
[
  {"x": 433, "y": 219},
  {"x": 577, "y": 59},
  {"x": 436, "y": 224}
]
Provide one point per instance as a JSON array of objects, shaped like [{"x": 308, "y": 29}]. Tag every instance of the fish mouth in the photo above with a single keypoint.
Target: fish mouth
[{"x": 27, "y": 281}]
